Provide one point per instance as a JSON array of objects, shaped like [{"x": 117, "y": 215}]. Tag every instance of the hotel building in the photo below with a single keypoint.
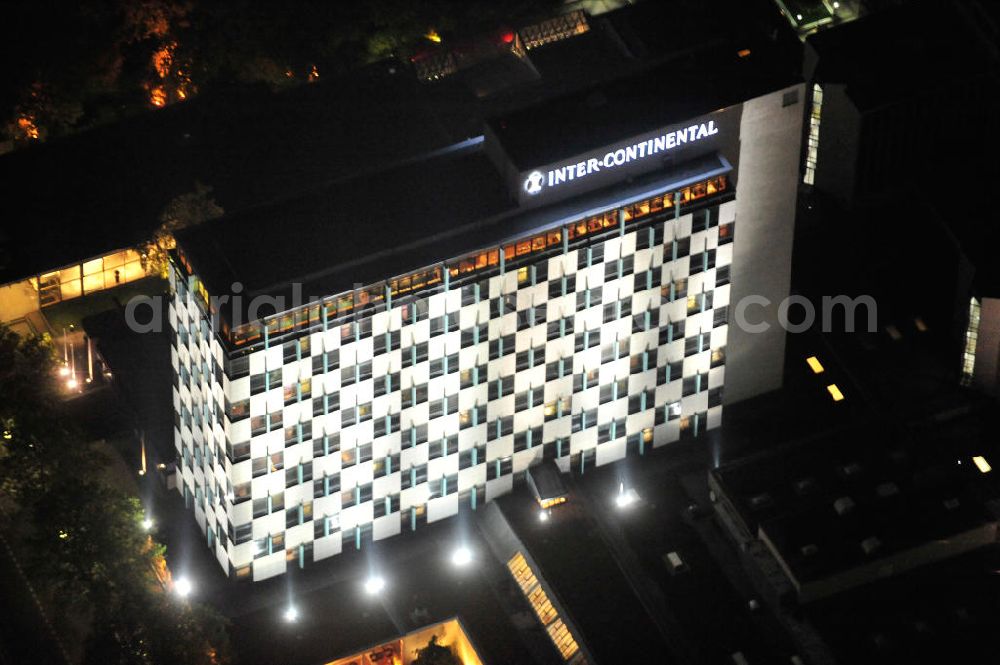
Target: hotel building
[{"x": 561, "y": 286}]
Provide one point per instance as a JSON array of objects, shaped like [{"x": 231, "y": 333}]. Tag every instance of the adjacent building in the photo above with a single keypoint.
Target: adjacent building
[
  {"x": 854, "y": 507},
  {"x": 887, "y": 98}
]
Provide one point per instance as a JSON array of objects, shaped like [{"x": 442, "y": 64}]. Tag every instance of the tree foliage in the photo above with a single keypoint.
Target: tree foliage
[
  {"x": 32, "y": 454},
  {"x": 73, "y": 66},
  {"x": 83, "y": 538},
  {"x": 436, "y": 654},
  {"x": 186, "y": 210}
]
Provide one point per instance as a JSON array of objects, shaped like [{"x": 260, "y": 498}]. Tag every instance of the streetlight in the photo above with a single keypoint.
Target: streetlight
[
  {"x": 374, "y": 584},
  {"x": 182, "y": 587},
  {"x": 461, "y": 556},
  {"x": 291, "y": 614}
]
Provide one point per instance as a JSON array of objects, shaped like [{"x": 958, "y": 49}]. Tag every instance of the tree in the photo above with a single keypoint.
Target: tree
[
  {"x": 83, "y": 538},
  {"x": 34, "y": 449},
  {"x": 75, "y": 66},
  {"x": 183, "y": 211},
  {"x": 436, "y": 654}
]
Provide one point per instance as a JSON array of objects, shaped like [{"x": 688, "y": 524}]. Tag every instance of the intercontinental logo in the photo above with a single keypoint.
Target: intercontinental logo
[
  {"x": 536, "y": 181},
  {"x": 533, "y": 183}
]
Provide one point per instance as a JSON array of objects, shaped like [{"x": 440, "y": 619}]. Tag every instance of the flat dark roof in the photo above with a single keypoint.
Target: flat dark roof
[
  {"x": 946, "y": 612},
  {"x": 903, "y": 52},
  {"x": 338, "y": 227},
  {"x": 901, "y": 490},
  {"x": 105, "y": 188},
  {"x": 363, "y": 231},
  {"x": 587, "y": 580},
  {"x": 684, "y": 84}
]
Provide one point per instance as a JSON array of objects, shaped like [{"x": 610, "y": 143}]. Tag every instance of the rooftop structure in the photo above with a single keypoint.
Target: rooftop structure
[{"x": 858, "y": 505}]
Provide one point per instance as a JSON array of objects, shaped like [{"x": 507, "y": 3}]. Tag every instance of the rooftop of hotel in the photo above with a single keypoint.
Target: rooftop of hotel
[{"x": 361, "y": 232}]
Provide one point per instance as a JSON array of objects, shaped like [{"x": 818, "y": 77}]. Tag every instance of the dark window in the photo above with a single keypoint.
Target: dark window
[
  {"x": 561, "y": 286},
  {"x": 677, "y": 249},
  {"x": 386, "y": 383},
  {"x": 649, "y": 237},
  {"x": 474, "y": 335},
  {"x": 386, "y": 342},
  {"x": 722, "y": 275},
  {"x": 501, "y": 347},
  {"x": 237, "y": 368},
  {"x": 325, "y": 362},
  {"x": 720, "y": 317},
  {"x": 695, "y": 384},
  {"x": 669, "y": 372}
]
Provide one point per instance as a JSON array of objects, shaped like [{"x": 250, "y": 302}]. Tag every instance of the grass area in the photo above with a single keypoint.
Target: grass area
[{"x": 72, "y": 312}]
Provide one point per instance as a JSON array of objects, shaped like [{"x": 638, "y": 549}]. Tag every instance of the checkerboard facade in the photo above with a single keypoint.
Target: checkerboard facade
[{"x": 364, "y": 427}]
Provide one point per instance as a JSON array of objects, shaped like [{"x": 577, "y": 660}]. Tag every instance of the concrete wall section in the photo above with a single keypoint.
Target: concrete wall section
[{"x": 770, "y": 138}]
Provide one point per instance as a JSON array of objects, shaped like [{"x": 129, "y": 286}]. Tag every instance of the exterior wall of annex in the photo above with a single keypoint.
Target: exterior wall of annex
[{"x": 606, "y": 339}]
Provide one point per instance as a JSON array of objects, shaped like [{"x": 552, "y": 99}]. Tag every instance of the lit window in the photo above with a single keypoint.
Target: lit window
[
  {"x": 547, "y": 614},
  {"x": 982, "y": 464},
  {"x": 835, "y": 392},
  {"x": 812, "y": 141},
  {"x": 815, "y": 365},
  {"x": 971, "y": 340}
]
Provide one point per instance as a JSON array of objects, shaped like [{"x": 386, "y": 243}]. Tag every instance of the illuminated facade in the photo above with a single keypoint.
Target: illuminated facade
[
  {"x": 21, "y": 300},
  {"x": 603, "y": 332},
  {"x": 405, "y": 649}
]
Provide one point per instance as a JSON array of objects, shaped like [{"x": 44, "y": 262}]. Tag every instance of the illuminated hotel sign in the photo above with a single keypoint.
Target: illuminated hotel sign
[{"x": 537, "y": 181}]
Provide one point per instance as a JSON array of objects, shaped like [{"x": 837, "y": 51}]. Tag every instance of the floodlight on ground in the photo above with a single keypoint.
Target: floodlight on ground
[
  {"x": 182, "y": 587},
  {"x": 71, "y": 384},
  {"x": 291, "y": 614},
  {"x": 64, "y": 371},
  {"x": 461, "y": 556},
  {"x": 374, "y": 584},
  {"x": 543, "y": 516},
  {"x": 147, "y": 524},
  {"x": 625, "y": 497}
]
